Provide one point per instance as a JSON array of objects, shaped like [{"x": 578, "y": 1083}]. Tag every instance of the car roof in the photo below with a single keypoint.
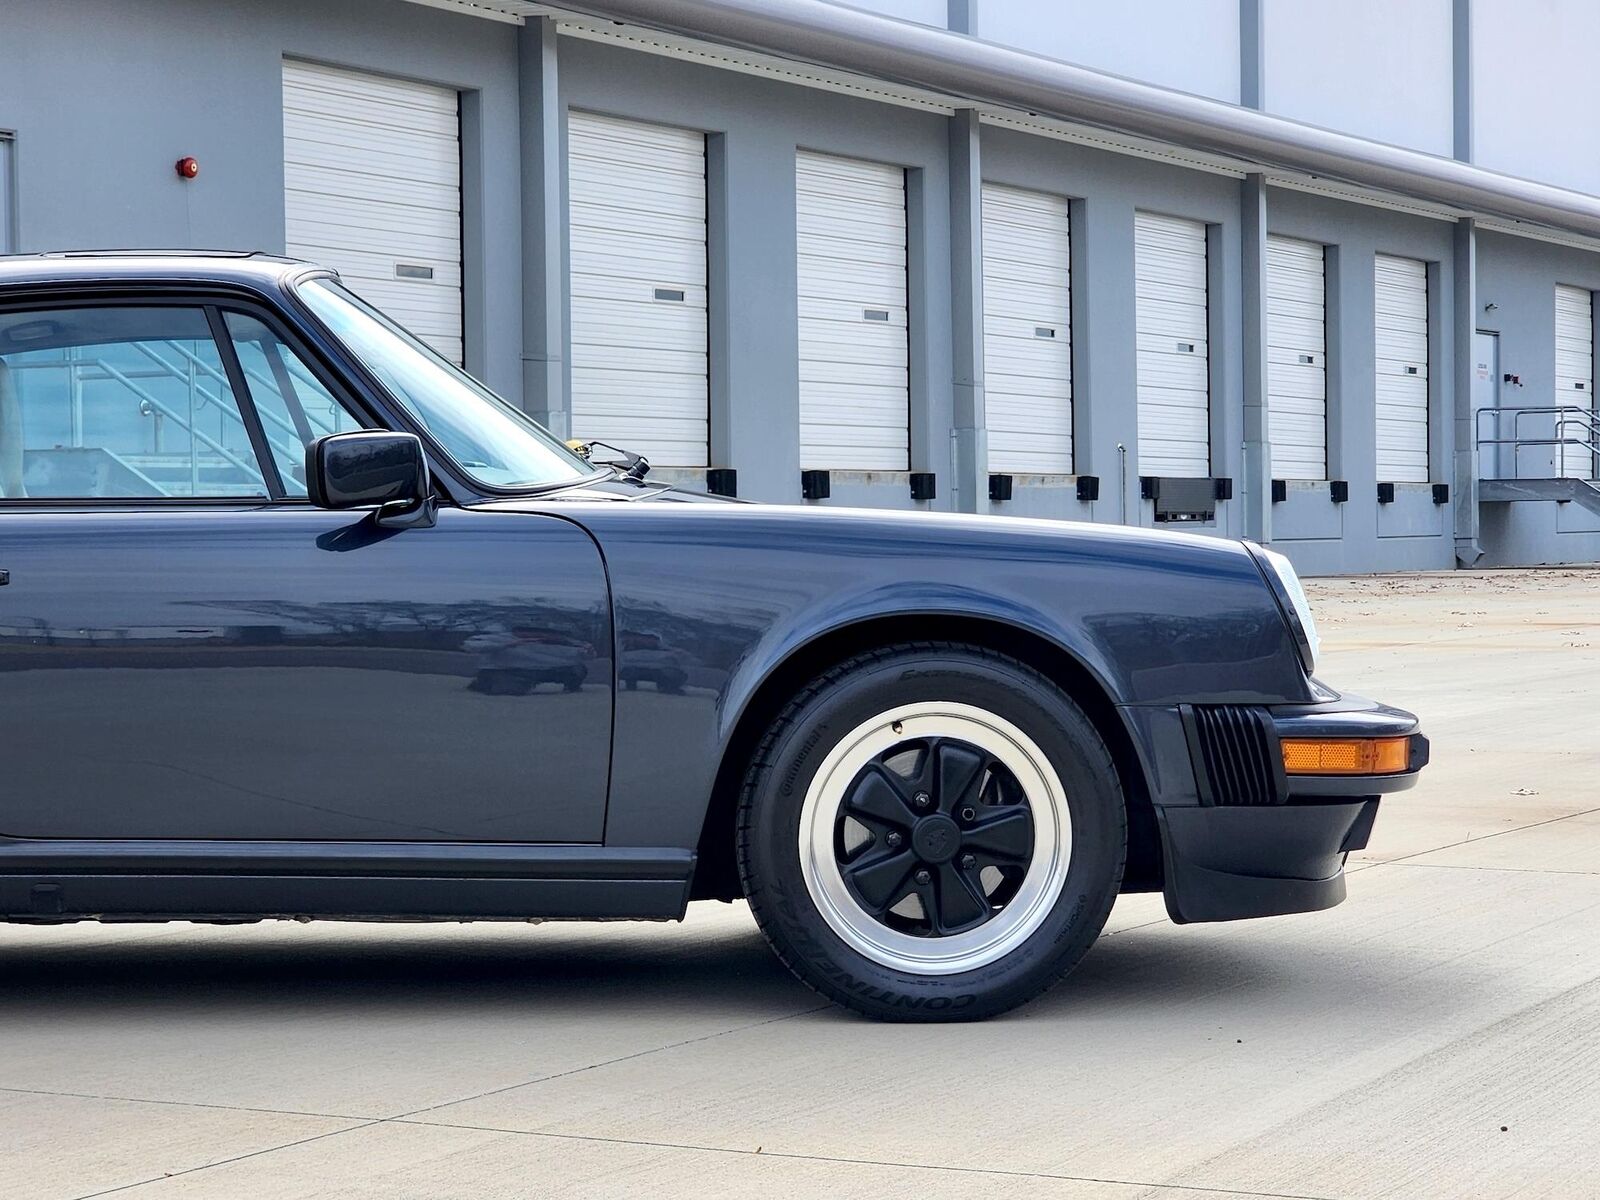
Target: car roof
[{"x": 250, "y": 268}]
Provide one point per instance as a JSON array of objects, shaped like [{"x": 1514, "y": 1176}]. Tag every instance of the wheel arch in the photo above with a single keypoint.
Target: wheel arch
[{"x": 717, "y": 874}]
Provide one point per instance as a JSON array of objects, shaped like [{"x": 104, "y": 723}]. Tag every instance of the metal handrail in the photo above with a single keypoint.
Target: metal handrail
[
  {"x": 289, "y": 444},
  {"x": 166, "y": 410},
  {"x": 1586, "y": 420}
]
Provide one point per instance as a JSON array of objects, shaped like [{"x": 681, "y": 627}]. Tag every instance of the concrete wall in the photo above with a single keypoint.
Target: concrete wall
[
  {"x": 95, "y": 147},
  {"x": 1190, "y": 45},
  {"x": 1518, "y": 278},
  {"x": 1535, "y": 90},
  {"x": 1374, "y": 68}
]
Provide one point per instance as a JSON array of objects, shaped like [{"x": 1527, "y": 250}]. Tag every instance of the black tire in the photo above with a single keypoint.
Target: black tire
[{"x": 841, "y": 701}]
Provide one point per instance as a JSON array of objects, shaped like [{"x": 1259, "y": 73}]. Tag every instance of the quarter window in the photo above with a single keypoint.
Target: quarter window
[
  {"x": 295, "y": 408},
  {"x": 124, "y": 402}
]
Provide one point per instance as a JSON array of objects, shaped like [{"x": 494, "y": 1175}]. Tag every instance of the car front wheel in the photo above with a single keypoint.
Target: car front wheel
[{"x": 931, "y": 832}]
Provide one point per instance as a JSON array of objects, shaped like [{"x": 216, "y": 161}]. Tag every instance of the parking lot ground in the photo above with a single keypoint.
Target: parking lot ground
[{"x": 1436, "y": 1036}]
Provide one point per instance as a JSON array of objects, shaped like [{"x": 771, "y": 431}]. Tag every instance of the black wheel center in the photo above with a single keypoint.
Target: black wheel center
[
  {"x": 934, "y": 836},
  {"x": 936, "y": 839}
]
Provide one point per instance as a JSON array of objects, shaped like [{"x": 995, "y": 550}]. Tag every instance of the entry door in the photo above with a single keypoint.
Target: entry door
[
  {"x": 186, "y": 652},
  {"x": 1494, "y": 462}
]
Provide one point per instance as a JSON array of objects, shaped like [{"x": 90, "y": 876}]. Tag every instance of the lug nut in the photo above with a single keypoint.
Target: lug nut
[
  {"x": 968, "y": 861},
  {"x": 922, "y": 800},
  {"x": 924, "y": 877},
  {"x": 894, "y": 839}
]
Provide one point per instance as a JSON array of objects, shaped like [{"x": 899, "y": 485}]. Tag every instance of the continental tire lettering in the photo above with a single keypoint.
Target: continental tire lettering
[
  {"x": 880, "y": 995},
  {"x": 798, "y": 763}
]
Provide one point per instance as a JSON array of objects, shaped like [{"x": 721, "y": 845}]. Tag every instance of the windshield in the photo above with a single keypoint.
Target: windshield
[{"x": 483, "y": 435}]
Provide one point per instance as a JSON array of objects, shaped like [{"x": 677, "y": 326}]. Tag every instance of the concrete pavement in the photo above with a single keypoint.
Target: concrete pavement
[{"x": 1437, "y": 1035}]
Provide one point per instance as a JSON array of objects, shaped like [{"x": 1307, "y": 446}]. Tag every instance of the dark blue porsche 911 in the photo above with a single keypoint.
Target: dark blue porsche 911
[{"x": 297, "y": 620}]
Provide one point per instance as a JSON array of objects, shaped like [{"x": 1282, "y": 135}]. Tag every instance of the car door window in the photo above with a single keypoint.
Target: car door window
[
  {"x": 119, "y": 402},
  {"x": 294, "y": 406}
]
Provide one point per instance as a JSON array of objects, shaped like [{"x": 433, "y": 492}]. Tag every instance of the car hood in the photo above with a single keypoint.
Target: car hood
[{"x": 960, "y": 533}]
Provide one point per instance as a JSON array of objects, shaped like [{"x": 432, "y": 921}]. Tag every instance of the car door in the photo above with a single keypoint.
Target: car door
[{"x": 189, "y": 650}]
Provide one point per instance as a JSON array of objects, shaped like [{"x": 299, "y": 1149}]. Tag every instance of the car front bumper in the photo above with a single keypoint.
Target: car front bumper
[{"x": 1280, "y": 846}]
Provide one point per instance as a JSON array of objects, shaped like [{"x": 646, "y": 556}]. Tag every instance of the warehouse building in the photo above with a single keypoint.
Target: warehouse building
[{"x": 1320, "y": 275}]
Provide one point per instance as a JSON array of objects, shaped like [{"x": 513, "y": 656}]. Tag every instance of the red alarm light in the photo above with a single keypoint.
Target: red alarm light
[{"x": 187, "y": 167}]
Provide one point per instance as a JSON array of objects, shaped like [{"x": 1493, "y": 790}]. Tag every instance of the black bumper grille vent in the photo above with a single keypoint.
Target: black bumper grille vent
[{"x": 1236, "y": 754}]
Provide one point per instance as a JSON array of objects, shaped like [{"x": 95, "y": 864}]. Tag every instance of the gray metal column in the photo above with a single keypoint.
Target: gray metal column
[
  {"x": 1256, "y": 486},
  {"x": 969, "y": 433},
  {"x": 1464, "y": 484},
  {"x": 1461, "y": 76},
  {"x": 543, "y": 228},
  {"x": 1252, "y": 55}
]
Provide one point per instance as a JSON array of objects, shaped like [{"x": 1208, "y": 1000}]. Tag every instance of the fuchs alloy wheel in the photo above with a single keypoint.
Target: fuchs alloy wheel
[
  {"x": 932, "y": 832},
  {"x": 935, "y": 838}
]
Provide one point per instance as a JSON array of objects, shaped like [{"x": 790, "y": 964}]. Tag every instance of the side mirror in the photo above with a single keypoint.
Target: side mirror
[{"x": 371, "y": 468}]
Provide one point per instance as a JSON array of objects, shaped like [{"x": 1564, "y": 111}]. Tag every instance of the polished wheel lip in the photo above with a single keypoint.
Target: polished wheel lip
[{"x": 1041, "y": 885}]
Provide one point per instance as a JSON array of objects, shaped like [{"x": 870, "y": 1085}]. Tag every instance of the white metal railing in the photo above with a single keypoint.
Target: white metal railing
[
  {"x": 281, "y": 434},
  {"x": 1573, "y": 427}
]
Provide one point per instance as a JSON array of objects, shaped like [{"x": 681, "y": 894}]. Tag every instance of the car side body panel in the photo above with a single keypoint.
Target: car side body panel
[
  {"x": 728, "y": 593},
  {"x": 283, "y": 672}
]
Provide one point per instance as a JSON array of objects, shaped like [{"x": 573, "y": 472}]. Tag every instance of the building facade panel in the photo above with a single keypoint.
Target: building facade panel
[
  {"x": 1373, "y": 68},
  {"x": 1535, "y": 90},
  {"x": 1189, "y": 45}
]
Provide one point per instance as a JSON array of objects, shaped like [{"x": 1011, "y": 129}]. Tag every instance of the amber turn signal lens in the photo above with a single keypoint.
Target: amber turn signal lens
[{"x": 1346, "y": 756}]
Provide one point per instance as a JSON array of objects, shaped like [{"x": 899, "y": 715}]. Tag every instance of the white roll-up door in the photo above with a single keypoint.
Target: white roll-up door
[
  {"x": 1401, "y": 302},
  {"x": 637, "y": 230},
  {"x": 1027, "y": 330},
  {"x": 1575, "y": 374},
  {"x": 854, "y": 356},
  {"x": 1173, "y": 361},
  {"x": 1297, "y": 373},
  {"x": 372, "y": 188}
]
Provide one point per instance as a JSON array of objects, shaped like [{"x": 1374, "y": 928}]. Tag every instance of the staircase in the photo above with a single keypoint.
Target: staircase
[{"x": 1568, "y": 437}]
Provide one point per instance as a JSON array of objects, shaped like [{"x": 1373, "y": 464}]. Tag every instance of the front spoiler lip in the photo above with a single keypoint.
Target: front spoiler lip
[{"x": 1227, "y": 862}]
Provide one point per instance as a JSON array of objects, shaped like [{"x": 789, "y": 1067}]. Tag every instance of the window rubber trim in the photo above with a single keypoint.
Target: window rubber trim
[{"x": 265, "y": 459}]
